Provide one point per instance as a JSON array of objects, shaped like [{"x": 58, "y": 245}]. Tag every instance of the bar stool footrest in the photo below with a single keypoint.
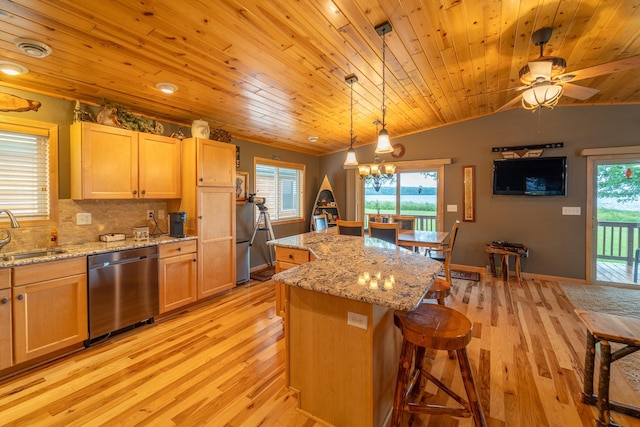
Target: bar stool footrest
[
  {"x": 622, "y": 408},
  {"x": 437, "y": 410}
]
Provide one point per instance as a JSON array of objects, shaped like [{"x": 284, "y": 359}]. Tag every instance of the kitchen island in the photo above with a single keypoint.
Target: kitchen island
[{"x": 342, "y": 345}]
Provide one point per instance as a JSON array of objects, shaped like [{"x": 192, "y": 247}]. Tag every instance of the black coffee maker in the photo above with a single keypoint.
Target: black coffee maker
[{"x": 176, "y": 224}]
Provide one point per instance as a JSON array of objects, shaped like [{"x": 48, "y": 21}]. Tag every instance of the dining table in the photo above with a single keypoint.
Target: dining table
[{"x": 421, "y": 238}]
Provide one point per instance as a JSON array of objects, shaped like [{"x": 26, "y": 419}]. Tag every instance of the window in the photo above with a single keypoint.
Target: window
[
  {"x": 281, "y": 184},
  {"x": 415, "y": 190},
  {"x": 28, "y": 170}
]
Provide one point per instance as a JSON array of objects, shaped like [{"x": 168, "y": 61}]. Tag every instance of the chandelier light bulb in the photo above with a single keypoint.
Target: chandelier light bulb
[{"x": 384, "y": 143}]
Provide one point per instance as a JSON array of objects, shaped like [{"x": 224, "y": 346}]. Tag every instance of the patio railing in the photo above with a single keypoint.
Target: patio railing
[{"x": 618, "y": 240}]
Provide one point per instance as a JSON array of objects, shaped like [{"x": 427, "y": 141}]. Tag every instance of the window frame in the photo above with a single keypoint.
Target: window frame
[
  {"x": 50, "y": 130},
  {"x": 408, "y": 166},
  {"x": 285, "y": 165}
]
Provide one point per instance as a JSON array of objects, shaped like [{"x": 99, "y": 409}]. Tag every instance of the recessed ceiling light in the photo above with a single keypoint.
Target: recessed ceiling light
[
  {"x": 313, "y": 139},
  {"x": 12, "y": 69},
  {"x": 167, "y": 87},
  {"x": 33, "y": 47}
]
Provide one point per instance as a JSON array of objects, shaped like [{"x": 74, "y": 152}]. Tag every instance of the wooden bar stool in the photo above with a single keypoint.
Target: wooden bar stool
[
  {"x": 433, "y": 326},
  {"x": 606, "y": 328}
]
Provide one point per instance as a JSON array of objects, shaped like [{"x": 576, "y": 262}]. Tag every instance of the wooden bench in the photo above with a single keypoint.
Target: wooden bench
[{"x": 606, "y": 328}]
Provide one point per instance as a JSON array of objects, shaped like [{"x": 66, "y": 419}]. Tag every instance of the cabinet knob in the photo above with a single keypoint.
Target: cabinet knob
[
  {"x": 20, "y": 297},
  {"x": 200, "y": 217},
  {"x": 135, "y": 192},
  {"x": 195, "y": 260},
  {"x": 290, "y": 256},
  {"x": 144, "y": 192},
  {"x": 5, "y": 300},
  {"x": 201, "y": 179},
  {"x": 179, "y": 249}
]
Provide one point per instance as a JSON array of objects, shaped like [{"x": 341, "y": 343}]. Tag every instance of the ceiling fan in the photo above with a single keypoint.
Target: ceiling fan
[{"x": 545, "y": 81}]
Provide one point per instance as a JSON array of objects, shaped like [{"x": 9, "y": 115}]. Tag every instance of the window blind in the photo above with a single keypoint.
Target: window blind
[
  {"x": 282, "y": 189},
  {"x": 24, "y": 175}
]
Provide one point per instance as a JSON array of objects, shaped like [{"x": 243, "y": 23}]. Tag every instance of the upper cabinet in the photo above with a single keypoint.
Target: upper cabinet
[
  {"x": 215, "y": 163},
  {"x": 114, "y": 163}
]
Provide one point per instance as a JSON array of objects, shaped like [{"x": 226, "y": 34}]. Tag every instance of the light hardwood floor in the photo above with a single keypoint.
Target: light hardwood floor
[{"x": 222, "y": 364}]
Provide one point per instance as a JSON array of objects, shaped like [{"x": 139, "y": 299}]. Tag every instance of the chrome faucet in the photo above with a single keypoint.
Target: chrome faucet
[{"x": 14, "y": 224}]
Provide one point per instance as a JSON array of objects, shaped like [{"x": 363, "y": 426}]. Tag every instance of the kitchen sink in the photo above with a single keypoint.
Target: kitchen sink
[{"x": 34, "y": 254}]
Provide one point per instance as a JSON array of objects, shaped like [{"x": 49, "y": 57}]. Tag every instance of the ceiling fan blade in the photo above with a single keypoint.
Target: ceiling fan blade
[
  {"x": 608, "y": 68},
  {"x": 579, "y": 92},
  {"x": 509, "y": 104},
  {"x": 540, "y": 69}
]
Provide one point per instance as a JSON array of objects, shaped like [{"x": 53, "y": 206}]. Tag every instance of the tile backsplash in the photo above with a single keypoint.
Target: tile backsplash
[{"x": 107, "y": 216}]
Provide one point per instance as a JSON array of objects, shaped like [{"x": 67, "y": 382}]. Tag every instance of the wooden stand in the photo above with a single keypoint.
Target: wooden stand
[
  {"x": 606, "y": 328},
  {"x": 505, "y": 251}
]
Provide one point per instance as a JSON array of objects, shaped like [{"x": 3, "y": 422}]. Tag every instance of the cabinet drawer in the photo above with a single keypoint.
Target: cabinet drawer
[
  {"x": 178, "y": 248},
  {"x": 26, "y": 274},
  {"x": 283, "y": 265},
  {"x": 295, "y": 256}
]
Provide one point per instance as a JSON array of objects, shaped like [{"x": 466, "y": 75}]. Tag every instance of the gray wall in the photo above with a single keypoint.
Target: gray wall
[{"x": 556, "y": 242}]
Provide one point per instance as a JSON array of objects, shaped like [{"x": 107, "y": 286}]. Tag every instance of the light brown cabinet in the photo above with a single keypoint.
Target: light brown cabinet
[
  {"x": 287, "y": 258},
  {"x": 6, "y": 342},
  {"x": 208, "y": 198},
  {"x": 113, "y": 163},
  {"x": 177, "y": 275},
  {"x": 49, "y": 305}
]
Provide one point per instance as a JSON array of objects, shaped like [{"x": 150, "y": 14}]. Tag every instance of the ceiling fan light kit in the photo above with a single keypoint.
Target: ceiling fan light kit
[{"x": 544, "y": 94}]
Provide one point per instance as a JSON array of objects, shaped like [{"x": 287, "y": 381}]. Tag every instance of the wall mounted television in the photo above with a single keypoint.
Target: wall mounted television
[{"x": 531, "y": 176}]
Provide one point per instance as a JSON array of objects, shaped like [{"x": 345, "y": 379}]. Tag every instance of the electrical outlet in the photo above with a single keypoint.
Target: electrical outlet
[
  {"x": 160, "y": 213},
  {"x": 83, "y": 219},
  {"x": 357, "y": 320},
  {"x": 149, "y": 214}
]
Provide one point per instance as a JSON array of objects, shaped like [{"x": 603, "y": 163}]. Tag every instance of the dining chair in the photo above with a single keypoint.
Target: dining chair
[
  {"x": 405, "y": 222},
  {"x": 350, "y": 228},
  {"x": 387, "y": 232},
  {"x": 444, "y": 253},
  {"x": 320, "y": 222}
]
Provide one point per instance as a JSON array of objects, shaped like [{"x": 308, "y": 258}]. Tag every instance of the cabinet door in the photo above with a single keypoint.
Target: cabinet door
[
  {"x": 5, "y": 329},
  {"x": 159, "y": 167},
  {"x": 178, "y": 280},
  {"x": 216, "y": 163},
  {"x": 216, "y": 240},
  {"x": 104, "y": 162},
  {"x": 49, "y": 316}
]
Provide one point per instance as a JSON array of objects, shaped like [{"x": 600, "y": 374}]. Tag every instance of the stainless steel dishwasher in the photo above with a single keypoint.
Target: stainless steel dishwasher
[{"x": 123, "y": 289}]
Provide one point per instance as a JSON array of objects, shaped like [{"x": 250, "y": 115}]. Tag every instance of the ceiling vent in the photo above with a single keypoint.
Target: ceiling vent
[{"x": 33, "y": 48}]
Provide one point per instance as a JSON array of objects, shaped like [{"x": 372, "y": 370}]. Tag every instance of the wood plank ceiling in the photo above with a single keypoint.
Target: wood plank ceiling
[{"x": 273, "y": 72}]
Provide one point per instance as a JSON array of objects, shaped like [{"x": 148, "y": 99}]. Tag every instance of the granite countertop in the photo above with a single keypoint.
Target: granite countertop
[
  {"x": 74, "y": 251},
  {"x": 344, "y": 262}
]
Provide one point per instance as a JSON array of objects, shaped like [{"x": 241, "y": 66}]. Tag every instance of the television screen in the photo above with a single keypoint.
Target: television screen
[{"x": 533, "y": 176}]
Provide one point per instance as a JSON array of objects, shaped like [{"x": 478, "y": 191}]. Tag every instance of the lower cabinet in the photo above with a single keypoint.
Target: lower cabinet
[
  {"x": 49, "y": 305},
  {"x": 287, "y": 258},
  {"x": 6, "y": 342},
  {"x": 178, "y": 276}
]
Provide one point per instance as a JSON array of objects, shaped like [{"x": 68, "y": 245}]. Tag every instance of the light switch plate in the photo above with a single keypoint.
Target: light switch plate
[
  {"x": 83, "y": 218},
  {"x": 357, "y": 320},
  {"x": 571, "y": 210},
  {"x": 452, "y": 208}
]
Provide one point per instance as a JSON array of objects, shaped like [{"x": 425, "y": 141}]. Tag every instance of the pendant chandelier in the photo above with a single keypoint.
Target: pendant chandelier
[
  {"x": 351, "y": 153},
  {"x": 377, "y": 173},
  {"x": 384, "y": 144}
]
